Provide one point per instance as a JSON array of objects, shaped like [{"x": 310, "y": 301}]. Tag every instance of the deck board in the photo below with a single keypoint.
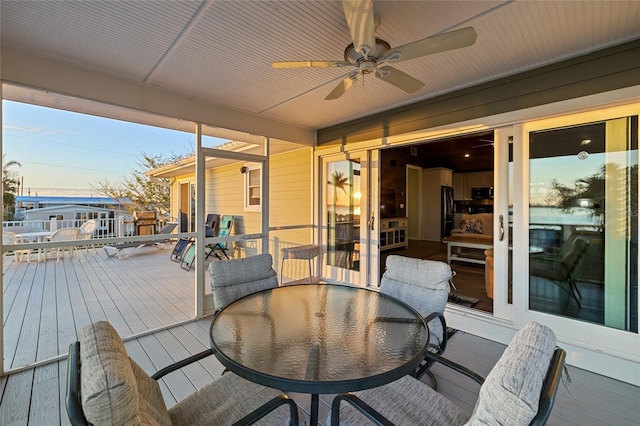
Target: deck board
[{"x": 46, "y": 303}]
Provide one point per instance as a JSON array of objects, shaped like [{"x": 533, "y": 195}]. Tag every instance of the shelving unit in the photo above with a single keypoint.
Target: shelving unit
[{"x": 393, "y": 233}]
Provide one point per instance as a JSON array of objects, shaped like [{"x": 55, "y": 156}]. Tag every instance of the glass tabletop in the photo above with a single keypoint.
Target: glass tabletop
[{"x": 319, "y": 338}]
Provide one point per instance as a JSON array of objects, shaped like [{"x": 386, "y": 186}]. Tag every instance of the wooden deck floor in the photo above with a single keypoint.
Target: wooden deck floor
[
  {"x": 47, "y": 302},
  {"x": 35, "y": 397}
]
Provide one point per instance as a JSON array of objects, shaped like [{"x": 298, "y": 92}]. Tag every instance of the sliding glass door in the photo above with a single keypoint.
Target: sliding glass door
[{"x": 582, "y": 238}]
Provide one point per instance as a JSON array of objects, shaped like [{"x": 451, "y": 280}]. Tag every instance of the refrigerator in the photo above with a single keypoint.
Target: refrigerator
[{"x": 446, "y": 216}]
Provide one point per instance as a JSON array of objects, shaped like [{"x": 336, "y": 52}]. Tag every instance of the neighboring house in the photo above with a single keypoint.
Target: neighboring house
[
  {"x": 24, "y": 204},
  {"x": 75, "y": 216},
  {"x": 72, "y": 211}
]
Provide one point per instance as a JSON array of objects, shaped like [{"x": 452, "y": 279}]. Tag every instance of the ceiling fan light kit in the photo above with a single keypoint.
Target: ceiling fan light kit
[{"x": 370, "y": 55}]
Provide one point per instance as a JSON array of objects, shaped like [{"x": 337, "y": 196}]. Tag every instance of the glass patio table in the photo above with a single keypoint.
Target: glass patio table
[{"x": 319, "y": 339}]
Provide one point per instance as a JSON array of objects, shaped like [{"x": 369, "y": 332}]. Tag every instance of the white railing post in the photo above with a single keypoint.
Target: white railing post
[{"x": 120, "y": 231}]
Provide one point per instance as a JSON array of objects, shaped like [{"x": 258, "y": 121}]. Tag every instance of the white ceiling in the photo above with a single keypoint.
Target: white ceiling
[{"x": 221, "y": 51}]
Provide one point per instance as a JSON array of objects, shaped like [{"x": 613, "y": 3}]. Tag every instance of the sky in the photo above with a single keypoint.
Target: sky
[{"x": 65, "y": 153}]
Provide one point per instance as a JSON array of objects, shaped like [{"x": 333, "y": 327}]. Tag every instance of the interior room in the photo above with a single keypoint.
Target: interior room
[{"x": 435, "y": 186}]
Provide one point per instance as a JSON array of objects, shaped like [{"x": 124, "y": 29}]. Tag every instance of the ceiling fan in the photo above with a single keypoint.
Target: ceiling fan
[
  {"x": 487, "y": 142},
  {"x": 370, "y": 55},
  {"x": 490, "y": 142}
]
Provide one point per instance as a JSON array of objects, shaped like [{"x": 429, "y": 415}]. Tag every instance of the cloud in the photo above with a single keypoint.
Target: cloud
[{"x": 37, "y": 130}]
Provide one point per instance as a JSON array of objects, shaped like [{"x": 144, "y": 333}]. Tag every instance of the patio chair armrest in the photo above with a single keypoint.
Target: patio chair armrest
[
  {"x": 437, "y": 315},
  {"x": 73, "y": 401},
  {"x": 456, "y": 367},
  {"x": 549, "y": 388},
  {"x": 364, "y": 408},
  {"x": 178, "y": 365},
  {"x": 268, "y": 407}
]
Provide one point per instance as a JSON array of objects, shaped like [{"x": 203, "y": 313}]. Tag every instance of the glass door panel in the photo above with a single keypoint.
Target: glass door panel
[
  {"x": 583, "y": 223},
  {"x": 345, "y": 232},
  {"x": 343, "y": 210}
]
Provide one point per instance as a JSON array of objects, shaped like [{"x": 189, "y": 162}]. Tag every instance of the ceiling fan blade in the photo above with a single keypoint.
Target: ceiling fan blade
[
  {"x": 399, "y": 79},
  {"x": 311, "y": 64},
  {"x": 440, "y": 43},
  {"x": 359, "y": 14},
  {"x": 343, "y": 86}
]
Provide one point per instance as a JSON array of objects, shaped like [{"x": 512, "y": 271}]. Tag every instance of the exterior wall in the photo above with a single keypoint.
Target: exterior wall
[
  {"x": 290, "y": 195},
  {"x": 290, "y": 199}
]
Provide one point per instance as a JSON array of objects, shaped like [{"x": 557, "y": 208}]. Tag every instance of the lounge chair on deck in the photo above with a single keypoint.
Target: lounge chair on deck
[
  {"x": 223, "y": 230},
  {"x": 117, "y": 249}
]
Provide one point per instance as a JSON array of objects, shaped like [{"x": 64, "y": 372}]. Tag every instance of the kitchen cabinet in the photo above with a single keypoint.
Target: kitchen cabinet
[{"x": 463, "y": 182}]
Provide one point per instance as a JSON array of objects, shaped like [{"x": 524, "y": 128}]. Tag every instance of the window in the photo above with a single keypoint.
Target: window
[{"x": 253, "y": 187}]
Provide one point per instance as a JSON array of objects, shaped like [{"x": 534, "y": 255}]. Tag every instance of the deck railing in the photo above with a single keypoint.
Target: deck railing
[{"x": 120, "y": 226}]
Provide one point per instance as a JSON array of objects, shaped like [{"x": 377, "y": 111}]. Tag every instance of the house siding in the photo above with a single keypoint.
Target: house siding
[{"x": 290, "y": 197}]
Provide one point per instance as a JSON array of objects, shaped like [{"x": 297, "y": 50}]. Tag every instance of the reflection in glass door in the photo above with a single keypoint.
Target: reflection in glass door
[
  {"x": 583, "y": 222},
  {"x": 343, "y": 214}
]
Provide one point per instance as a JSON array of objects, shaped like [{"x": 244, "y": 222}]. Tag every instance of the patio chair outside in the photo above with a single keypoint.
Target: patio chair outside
[
  {"x": 520, "y": 390},
  {"x": 64, "y": 234},
  {"x": 105, "y": 386},
  {"x": 180, "y": 248},
  {"x": 87, "y": 228},
  {"x": 8, "y": 239},
  {"x": 224, "y": 230},
  {"x": 118, "y": 249},
  {"x": 211, "y": 224},
  {"x": 188, "y": 256},
  {"x": 235, "y": 278},
  {"x": 424, "y": 285}
]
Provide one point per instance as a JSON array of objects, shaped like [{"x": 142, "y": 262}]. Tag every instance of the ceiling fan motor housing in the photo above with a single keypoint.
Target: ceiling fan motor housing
[{"x": 367, "y": 64}]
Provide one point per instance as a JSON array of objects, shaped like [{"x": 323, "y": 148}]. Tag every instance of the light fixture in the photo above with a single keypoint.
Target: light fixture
[
  {"x": 467, "y": 155},
  {"x": 244, "y": 169}
]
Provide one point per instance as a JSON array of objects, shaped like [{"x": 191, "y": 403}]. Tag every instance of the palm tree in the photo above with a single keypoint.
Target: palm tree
[
  {"x": 338, "y": 181},
  {"x": 10, "y": 185}
]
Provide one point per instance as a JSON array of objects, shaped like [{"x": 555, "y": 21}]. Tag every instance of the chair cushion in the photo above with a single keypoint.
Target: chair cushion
[
  {"x": 405, "y": 402},
  {"x": 511, "y": 391},
  {"x": 114, "y": 389},
  {"x": 227, "y": 400},
  {"x": 422, "y": 284},
  {"x": 235, "y": 278}
]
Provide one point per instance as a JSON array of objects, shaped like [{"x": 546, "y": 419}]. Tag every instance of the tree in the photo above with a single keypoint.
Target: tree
[
  {"x": 10, "y": 185},
  {"x": 338, "y": 181},
  {"x": 590, "y": 189},
  {"x": 143, "y": 192}
]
